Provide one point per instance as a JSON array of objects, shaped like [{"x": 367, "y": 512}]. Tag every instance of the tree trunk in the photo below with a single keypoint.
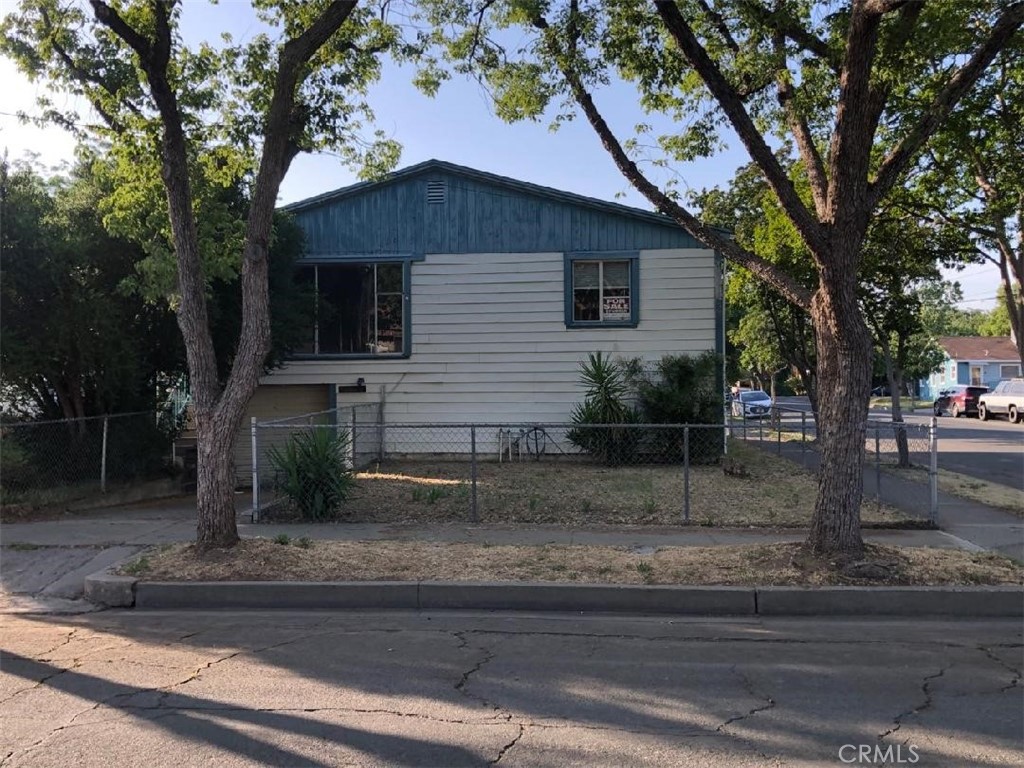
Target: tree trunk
[
  {"x": 215, "y": 484},
  {"x": 844, "y": 378},
  {"x": 895, "y": 378}
]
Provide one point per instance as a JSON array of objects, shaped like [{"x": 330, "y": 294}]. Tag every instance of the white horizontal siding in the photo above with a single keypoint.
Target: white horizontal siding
[{"x": 489, "y": 340}]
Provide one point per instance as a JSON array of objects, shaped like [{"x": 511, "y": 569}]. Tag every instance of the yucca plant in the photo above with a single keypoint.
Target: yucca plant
[
  {"x": 313, "y": 472},
  {"x": 605, "y": 403}
]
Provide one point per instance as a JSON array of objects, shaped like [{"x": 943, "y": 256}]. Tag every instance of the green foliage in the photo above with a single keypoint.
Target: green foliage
[
  {"x": 74, "y": 342},
  {"x": 681, "y": 389},
  {"x": 605, "y": 402},
  {"x": 304, "y": 543},
  {"x": 313, "y": 473},
  {"x": 283, "y": 539},
  {"x": 138, "y": 567},
  {"x": 223, "y": 89}
]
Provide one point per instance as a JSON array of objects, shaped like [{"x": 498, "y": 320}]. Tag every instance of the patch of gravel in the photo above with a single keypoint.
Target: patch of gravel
[{"x": 764, "y": 565}]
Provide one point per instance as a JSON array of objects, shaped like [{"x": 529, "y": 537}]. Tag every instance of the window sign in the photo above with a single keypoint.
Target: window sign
[{"x": 615, "y": 308}]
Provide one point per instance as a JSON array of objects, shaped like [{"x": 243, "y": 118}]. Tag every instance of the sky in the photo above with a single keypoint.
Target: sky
[{"x": 458, "y": 126}]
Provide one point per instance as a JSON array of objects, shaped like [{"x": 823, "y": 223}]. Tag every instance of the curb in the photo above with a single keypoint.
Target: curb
[
  {"x": 977, "y": 602},
  {"x": 105, "y": 588}
]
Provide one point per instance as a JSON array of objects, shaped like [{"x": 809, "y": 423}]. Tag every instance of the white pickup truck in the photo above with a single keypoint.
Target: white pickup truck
[{"x": 1007, "y": 398}]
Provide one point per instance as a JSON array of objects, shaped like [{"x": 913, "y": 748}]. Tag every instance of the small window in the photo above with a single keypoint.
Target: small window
[
  {"x": 1009, "y": 371},
  {"x": 601, "y": 291},
  {"x": 360, "y": 309},
  {"x": 976, "y": 375}
]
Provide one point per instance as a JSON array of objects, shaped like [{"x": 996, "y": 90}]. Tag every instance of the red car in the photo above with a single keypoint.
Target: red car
[{"x": 962, "y": 399}]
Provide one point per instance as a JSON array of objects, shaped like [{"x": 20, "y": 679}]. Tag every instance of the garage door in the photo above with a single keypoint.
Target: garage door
[{"x": 275, "y": 402}]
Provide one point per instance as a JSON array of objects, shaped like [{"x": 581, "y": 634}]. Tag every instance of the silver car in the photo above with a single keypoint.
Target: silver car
[{"x": 752, "y": 404}]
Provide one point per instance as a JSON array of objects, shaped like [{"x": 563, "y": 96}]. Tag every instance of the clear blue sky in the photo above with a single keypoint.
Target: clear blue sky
[{"x": 458, "y": 126}]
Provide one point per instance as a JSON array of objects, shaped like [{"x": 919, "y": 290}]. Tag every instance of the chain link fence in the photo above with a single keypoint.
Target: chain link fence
[
  {"x": 44, "y": 463},
  {"x": 900, "y": 459},
  {"x": 539, "y": 473}
]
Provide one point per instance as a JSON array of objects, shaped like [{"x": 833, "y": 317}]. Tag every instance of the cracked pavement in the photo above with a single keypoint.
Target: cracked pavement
[{"x": 460, "y": 688}]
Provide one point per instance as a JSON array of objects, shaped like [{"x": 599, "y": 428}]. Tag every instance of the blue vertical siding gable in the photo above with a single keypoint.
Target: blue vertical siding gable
[{"x": 481, "y": 213}]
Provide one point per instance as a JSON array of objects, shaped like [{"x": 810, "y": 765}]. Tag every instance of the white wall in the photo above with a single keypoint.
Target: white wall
[{"x": 489, "y": 342}]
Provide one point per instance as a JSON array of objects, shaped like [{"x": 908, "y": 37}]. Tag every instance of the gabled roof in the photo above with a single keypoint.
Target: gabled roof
[
  {"x": 980, "y": 348},
  {"x": 435, "y": 166}
]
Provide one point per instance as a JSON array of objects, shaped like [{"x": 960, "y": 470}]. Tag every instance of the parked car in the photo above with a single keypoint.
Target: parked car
[
  {"x": 1007, "y": 398},
  {"x": 882, "y": 391},
  {"x": 751, "y": 404},
  {"x": 958, "y": 399}
]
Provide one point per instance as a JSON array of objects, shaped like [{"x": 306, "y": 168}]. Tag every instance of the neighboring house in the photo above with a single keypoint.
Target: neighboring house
[
  {"x": 455, "y": 295},
  {"x": 976, "y": 360}
]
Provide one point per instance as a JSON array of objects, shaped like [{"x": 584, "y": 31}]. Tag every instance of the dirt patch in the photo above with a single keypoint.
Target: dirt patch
[
  {"x": 773, "y": 492},
  {"x": 769, "y": 564}
]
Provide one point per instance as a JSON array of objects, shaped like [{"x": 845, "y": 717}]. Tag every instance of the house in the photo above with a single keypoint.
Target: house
[
  {"x": 977, "y": 360},
  {"x": 455, "y": 296}
]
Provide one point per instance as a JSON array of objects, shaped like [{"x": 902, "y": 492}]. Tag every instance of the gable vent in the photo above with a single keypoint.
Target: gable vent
[{"x": 436, "y": 192}]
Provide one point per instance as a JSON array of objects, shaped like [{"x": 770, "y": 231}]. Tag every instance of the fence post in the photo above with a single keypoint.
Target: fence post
[
  {"x": 354, "y": 438},
  {"x": 380, "y": 430},
  {"x": 103, "y": 457},
  {"x": 473, "y": 512},
  {"x": 803, "y": 438},
  {"x": 933, "y": 470},
  {"x": 255, "y": 471},
  {"x": 760, "y": 431},
  {"x": 686, "y": 475},
  {"x": 878, "y": 471},
  {"x": 778, "y": 426}
]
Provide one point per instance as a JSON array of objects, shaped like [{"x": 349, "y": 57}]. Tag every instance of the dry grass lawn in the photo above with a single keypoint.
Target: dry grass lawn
[
  {"x": 776, "y": 493},
  {"x": 967, "y": 487},
  {"x": 770, "y": 564}
]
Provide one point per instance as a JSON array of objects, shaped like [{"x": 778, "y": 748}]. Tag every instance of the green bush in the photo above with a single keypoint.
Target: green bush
[
  {"x": 681, "y": 389},
  {"x": 313, "y": 473},
  {"x": 605, "y": 403}
]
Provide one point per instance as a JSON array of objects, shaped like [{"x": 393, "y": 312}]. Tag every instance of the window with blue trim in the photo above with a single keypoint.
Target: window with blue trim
[
  {"x": 361, "y": 309},
  {"x": 601, "y": 290}
]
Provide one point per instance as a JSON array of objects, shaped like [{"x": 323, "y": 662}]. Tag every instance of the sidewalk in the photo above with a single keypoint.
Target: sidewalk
[
  {"x": 50, "y": 559},
  {"x": 985, "y": 527}
]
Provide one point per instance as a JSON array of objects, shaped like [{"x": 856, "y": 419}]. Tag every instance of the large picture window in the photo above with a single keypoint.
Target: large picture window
[
  {"x": 601, "y": 290},
  {"x": 360, "y": 309}
]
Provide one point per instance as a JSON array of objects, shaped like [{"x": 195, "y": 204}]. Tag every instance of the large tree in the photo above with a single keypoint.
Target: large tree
[
  {"x": 970, "y": 180},
  {"x": 75, "y": 342},
  {"x": 829, "y": 78},
  {"x": 193, "y": 117}
]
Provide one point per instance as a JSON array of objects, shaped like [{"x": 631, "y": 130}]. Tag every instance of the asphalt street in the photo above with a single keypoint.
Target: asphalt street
[
  {"x": 988, "y": 450},
  {"x": 436, "y": 689}
]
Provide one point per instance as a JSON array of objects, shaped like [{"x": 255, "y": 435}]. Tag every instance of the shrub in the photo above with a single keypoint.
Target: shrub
[
  {"x": 681, "y": 389},
  {"x": 313, "y": 473},
  {"x": 605, "y": 403}
]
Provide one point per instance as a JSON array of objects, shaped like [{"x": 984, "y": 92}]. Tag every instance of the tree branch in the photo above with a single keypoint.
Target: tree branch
[
  {"x": 802, "y": 132},
  {"x": 798, "y": 34},
  {"x": 111, "y": 19},
  {"x": 765, "y": 270},
  {"x": 720, "y": 25},
  {"x": 193, "y": 317},
  {"x": 962, "y": 80},
  {"x": 278, "y": 151},
  {"x": 808, "y": 227},
  {"x": 852, "y": 136}
]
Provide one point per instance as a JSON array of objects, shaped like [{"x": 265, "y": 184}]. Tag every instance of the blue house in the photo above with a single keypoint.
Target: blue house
[
  {"x": 976, "y": 360},
  {"x": 456, "y": 295}
]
